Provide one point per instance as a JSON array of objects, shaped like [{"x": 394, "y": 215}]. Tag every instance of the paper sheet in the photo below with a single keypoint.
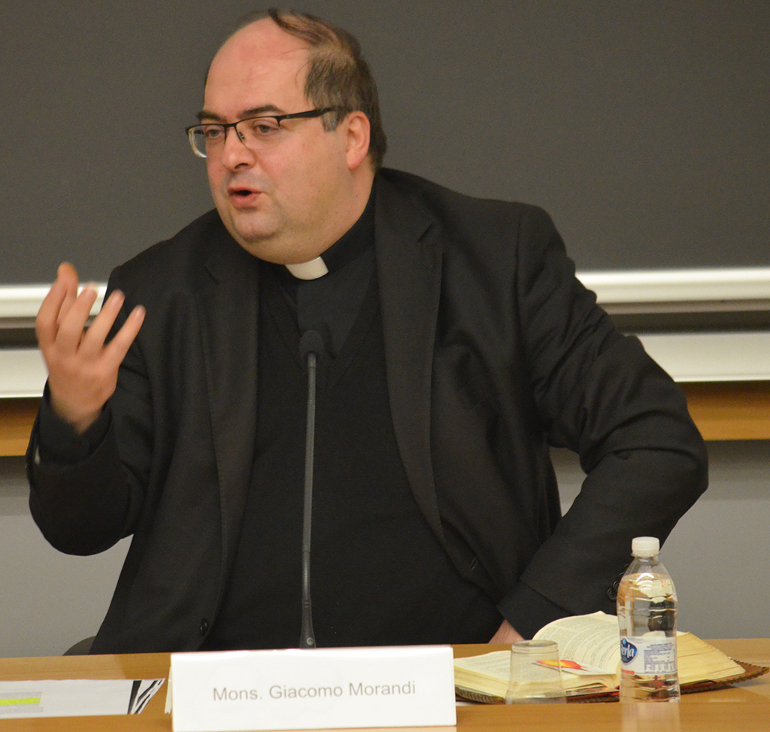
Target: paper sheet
[{"x": 75, "y": 698}]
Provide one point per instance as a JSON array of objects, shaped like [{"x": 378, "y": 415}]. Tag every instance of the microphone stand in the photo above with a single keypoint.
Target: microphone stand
[{"x": 311, "y": 344}]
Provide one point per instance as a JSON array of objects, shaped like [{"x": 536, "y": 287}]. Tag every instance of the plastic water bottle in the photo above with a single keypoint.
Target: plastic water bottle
[{"x": 647, "y": 618}]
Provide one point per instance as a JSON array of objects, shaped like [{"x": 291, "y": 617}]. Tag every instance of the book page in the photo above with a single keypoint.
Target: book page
[
  {"x": 495, "y": 665},
  {"x": 586, "y": 639},
  {"x": 489, "y": 673},
  {"x": 699, "y": 661}
]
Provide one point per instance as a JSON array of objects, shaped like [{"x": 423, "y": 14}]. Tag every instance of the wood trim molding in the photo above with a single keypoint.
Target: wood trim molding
[
  {"x": 16, "y": 419},
  {"x": 738, "y": 410},
  {"x": 722, "y": 410}
]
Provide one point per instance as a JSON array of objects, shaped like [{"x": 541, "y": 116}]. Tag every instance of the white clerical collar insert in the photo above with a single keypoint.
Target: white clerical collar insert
[
  {"x": 324, "y": 688},
  {"x": 311, "y": 270}
]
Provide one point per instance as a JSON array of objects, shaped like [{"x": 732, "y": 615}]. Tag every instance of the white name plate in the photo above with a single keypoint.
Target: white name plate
[{"x": 409, "y": 686}]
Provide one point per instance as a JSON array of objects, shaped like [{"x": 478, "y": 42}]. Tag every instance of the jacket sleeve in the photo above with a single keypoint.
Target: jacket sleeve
[
  {"x": 86, "y": 495},
  {"x": 598, "y": 393}
]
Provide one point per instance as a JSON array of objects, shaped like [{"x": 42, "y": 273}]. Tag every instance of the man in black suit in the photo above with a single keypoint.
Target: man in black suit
[{"x": 459, "y": 346}]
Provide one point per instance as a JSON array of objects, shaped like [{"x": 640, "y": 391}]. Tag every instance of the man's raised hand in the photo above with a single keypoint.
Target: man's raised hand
[{"x": 82, "y": 370}]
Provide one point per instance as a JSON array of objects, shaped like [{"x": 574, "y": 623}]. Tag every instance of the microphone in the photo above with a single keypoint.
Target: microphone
[
  {"x": 311, "y": 347},
  {"x": 311, "y": 343}
]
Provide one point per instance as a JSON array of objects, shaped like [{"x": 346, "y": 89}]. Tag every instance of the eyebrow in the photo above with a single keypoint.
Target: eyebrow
[{"x": 252, "y": 112}]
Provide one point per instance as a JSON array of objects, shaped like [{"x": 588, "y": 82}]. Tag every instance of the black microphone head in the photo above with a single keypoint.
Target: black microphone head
[{"x": 311, "y": 342}]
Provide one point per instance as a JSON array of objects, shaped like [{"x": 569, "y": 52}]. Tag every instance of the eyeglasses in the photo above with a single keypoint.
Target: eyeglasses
[{"x": 256, "y": 133}]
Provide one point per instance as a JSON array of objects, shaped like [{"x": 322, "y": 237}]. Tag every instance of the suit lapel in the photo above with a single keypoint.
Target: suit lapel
[
  {"x": 229, "y": 310},
  {"x": 409, "y": 273}
]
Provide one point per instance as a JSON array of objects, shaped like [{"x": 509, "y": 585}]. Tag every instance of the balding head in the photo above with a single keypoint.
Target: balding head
[
  {"x": 262, "y": 50},
  {"x": 337, "y": 75}
]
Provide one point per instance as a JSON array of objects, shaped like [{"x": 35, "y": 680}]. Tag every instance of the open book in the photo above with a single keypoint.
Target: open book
[{"x": 589, "y": 648}]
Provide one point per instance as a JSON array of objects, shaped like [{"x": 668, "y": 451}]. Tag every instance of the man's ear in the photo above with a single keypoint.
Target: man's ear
[{"x": 357, "y": 138}]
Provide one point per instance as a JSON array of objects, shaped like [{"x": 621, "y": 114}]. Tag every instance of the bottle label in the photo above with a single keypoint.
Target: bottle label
[{"x": 648, "y": 656}]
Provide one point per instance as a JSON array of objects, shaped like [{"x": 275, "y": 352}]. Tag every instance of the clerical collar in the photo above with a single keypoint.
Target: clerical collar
[{"x": 344, "y": 250}]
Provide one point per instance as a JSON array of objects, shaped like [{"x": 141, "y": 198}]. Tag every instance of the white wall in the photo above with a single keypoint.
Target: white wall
[
  {"x": 718, "y": 556},
  {"x": 719, "y": 553},
  {"x": 48, "y": 600}
]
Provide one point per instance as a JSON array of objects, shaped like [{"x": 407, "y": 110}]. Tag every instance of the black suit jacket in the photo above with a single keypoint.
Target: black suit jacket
[{"x": 494, "y": 351}]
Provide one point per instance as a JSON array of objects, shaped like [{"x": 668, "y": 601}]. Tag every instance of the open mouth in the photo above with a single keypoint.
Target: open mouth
[{"x": 242, "y": 196}]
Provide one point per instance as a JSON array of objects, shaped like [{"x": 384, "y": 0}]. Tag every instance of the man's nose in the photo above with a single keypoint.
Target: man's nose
[{"x": 235, "y": 153}]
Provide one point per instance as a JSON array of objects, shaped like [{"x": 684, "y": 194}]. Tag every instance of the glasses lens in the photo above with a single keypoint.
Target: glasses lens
[
  {"x": 255, "y": 133},
  {"x": 198, "y": 141},
  {"x": 259, "y": 132}
]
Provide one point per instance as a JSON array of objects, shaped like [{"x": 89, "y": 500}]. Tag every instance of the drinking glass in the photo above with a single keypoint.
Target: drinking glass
[{"x": 535, "y": 674}]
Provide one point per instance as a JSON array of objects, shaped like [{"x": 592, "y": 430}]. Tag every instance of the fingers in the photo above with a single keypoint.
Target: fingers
[
  {"x": 63, "y": 313},
  {"x": 117, "y": 348},
  {"x": 94, "y": 338},
  {"x": 72, "y": 323},
  {"x": 68, "y": 277},
  {"x": 63, "y": 316},
  {"x": 58, "y": 301}
]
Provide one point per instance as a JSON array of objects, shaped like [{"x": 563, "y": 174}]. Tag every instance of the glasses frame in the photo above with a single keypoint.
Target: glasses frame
[{"x": 226, "y": 125}]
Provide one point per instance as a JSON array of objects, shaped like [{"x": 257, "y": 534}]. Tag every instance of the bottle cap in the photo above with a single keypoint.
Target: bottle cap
[{"x": 645, "y": 546}]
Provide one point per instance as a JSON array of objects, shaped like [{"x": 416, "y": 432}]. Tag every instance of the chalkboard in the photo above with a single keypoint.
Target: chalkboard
[{"x": 642, "y": 127}]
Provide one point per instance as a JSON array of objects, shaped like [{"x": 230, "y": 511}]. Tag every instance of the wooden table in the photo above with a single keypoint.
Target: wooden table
[{"x": 739, "y": 709}]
